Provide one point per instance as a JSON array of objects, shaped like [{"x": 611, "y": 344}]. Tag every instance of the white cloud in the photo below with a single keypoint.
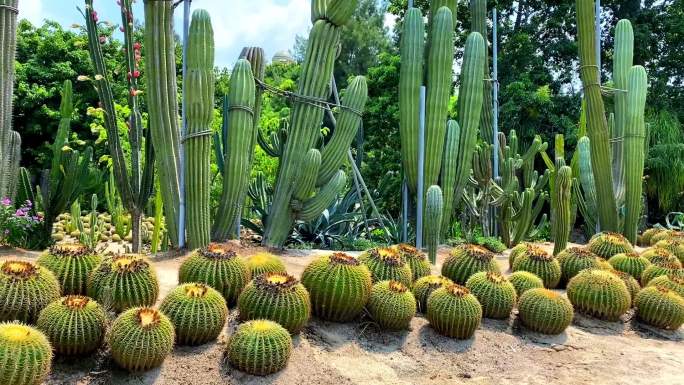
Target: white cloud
[{"x": 32, "y": 10}]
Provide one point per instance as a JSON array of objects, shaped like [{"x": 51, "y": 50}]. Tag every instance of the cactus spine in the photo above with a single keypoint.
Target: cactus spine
[
  {"x": 10, "y": 141},
  {"x": 561, "y": 209},
  {"x": 433, "y": 220},
  {"x": 140, "y": 339},
  {"x": 74, "y": 324},
  {"x": 197, "y": 311},
  {"x": 634, "y": 137},
  {"x": 259, "y": 347},
  {"x": 199, "y": 112},
  {"x": 26, "y": 355}
]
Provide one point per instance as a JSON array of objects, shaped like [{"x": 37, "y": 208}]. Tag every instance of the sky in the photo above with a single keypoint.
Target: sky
[{"x": 271, "y": 24}]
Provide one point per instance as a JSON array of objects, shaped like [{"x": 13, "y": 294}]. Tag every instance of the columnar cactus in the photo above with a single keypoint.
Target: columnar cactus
[
  {"x": 339, "y": 286},
  {"x": 141, "y": 338},
  {"x": 540, "y": 263},
  {"x": 561, "y": 211},
  {"x": 261, "y": 263},
  {"x": 545, "y": 311},
  {"x": 454, "y": 312},
  {"x": 416, "y": 260},
  {"x": 599, "y": 293},
  {"x": 124, "y": 281},
  {"x": 10, "y": 142},
  {"x": 25, "y": 289},
  {"x": 524, "y": 281},
  {"x": 424, "y": 286},
  {"x": 74, "y": 325},
  {"x": 449, "y": 172},
  {"x": 392, "y": 305},
  {"x": 478, "y": 13},
  {"x": 575, "y": 259},
  {"x": 385, "y": 263},
  {"x": 466, "y": 260},
  {"x": 660, "y": 307},
  {"x": 434, "y": 205},
  {"x": 199, "y": 91},
  {"x": 71, "y": 264},
  {"x": 197, "y": 312},
  {"x": 26, "y": 354},
  {"x": 259, "y": 347},
  {"x": 630, "y": 263},
  {"x": 494, "y": 292}
]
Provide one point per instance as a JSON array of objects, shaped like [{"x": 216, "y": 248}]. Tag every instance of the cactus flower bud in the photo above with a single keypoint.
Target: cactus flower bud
[
  {"x": 103, "y": 39},
  {"x": 82, "y": 78},
  {"x": 94, "y": 15},
  {"x": 121, "y": 29},
  {"x": 99, "y": 77},
  {"x": 136, "y": 74},
  {"x": 137, "y": 46}
]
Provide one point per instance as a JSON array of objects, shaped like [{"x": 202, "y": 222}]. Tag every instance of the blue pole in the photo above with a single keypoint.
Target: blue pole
[
  {"x": 421, "y": 175},
  {"x": 184, "y": 128}
]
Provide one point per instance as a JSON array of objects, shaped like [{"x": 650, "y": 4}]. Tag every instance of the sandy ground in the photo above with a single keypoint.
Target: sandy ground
[{"x": 502, "y": 352}]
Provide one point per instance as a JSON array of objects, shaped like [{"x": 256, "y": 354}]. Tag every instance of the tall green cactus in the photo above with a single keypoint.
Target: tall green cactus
[
  {"x": 199, "y": 85},
  {"x": 449, "y": 169},
  {"x": 478, "y": 13},
  {"x": 587, "y": 198},
  {"x": 622, "y": 63},
  {"x": 634, "y": 137},
  {"x": 434, "y": 206},
  {"x": 238, "y": 151},
  {"x": 10, "y": 141},
  {"x": 560, "y": 214}
]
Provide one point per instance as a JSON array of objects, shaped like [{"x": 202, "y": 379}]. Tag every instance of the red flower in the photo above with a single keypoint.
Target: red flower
[
  {"x": 137, "y": 46},
  {"x": 94, "y": 15}
]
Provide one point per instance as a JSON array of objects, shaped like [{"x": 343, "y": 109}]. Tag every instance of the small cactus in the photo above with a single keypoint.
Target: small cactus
[
  {"x": 606, "y": 244},
  {"x": 141, "y": 338},
  {"x": 524, "y": 281},
  {"x": 74, "y": 324},
  {"x": 263, "y": 262},
  {"x": 454, "y": 312},
  {"x": 25, "y": 289},
  {"x": 674, "y": 283},
  {"x": 339, "y": 286},
  {"x": 653, "y": 271},
  {"x": 665, "y": 235},
  {"x": 71, "y": 263},
  {"x": 259, "y": 347},
  {"x": 545, "y": 311},
  {"x": 518, "y": 250},
  {"x": 25, "y": 354},
  {"x": 575, "y": 259},
  {"x": 674, "y": 246},
  {"x": 424, "y": 286},
  {"x": 219, "y": 267},
  {"x": 197, "y": 312},
  {"x": 417, "y": 261},
  {"x": 542, "y": 264},
  {"x": 630, "y": 263},
  {"x": 124, "y": 281},
  {"x": 630, "y": 282},
  {"x": 660, "y": 256},
  {"x": 494, "y": 292},
  {"x": 648, "y": 234},
  {"x": 392, "y": 305},
  {"x": 660, "y": 307},
  {"x": 466, "y": 260},
  {"x": 599, "y": 293},
  {"x": 278, "y": 297},
  {"x": 385, "y": 263}
]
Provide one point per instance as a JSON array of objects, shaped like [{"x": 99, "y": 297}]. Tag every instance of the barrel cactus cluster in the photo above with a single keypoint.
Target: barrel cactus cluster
[
  {"x": 141, "y": 338},
  {"x": 424, "y": 286},
  {"x": 25, "y": 290},
  {"x": 75, "y": 325},
  {"x": 417, "y": 261},
  {"x": 71, "y": 263},
  {"x": 524, "y": 280},
  {"x": 197, "y": 312},
  {"x": 664, "y": 268},
  {"x": 575, "y": 259},
  {"x": 599, "y": 293},
  {"x": 387, "y": 263},
  {"x": 124, "y": 281},
  {"x": 465, "y": 260},
  {"x": 392, "y": 305},
  {"x": 674, "y": 246}
]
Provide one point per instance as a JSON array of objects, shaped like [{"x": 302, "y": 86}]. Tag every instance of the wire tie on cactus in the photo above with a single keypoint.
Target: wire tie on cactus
[
  {"x": 9, "y": 8},
  {"x": 243, "y": 108},
  {"x": 197, "y": 135}
]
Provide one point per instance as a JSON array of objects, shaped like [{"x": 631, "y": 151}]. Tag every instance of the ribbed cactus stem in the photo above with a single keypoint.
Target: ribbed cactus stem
[
  {"x": 586, "y": 174},
  {"x": 452, "y": 5},
  {"x": 561, "y": 208},
  {"x": 325, "y": 196},
  {"x": 478, "y": 12},
  {"x": 597, "y": 125},
  {"x": 307, "y": 176},
  {"x": 199, "y": 86},
  {"x": 410, "y": 80},
  {"x": 162, "y": 103},
  {"x": 9, "y": 139},
  {"x": 634, "y": 137},
  {"x": 622, "y": 63},
  {"x": 448, "y": 175},
  {"x": 238, "y": 151},
  {"x": 256, "y": 58},
  {"x": 434, "y": 206}
]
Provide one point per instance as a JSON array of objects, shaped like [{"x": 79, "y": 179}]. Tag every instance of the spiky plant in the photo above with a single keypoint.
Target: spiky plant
[
  {"x": 25, "y": 353},
  {"x": 278, "y": 297},
  {"x": 339, "y": 286},
  {"x": 545, "y": 311},
  {"x": 218, "y": 266},
  {"x": 392, "y": 305},
  {"x": 630, "y": 263},
  {"x": 660, "y": 256},
  {"x": 197, "y": 312},
  {"x": 140, "y": 339},
  {"x": 454, "y": 312},
  {"x": 385, "y": 263},
  {"x": 648, "y": 234},
  {"x": 465, "y": 260},
  {"x": 667, "y": 234},
  {"x": 674, "y": 283},
  {"x": 606, "y": 244},
  {"x": 575, "y": 259},
  {"x": 660, "y": 307},
  {"x": 599, "y": 293},
  {"x": 25, "y": 289},
  {"x": 524, "y": 281},
  {"x": 74, "y": 324},
  {"x": 420, "y": 267},
  {"x": 71, "y": 263},
  {"x": 630, "y": 282},
  {"x": 542, "y": 264},
  {"x": 674, "y": 246},
  {"x": 263, "y": 262},
  {"x": 424, "y": 286},
  {"x": 259, "y": 347},
  {"x": 518, "y": 250},
  {"x": 653, "y": 271},
  {"x": 494, "y": 292},
  {"x": 124, "y": 281}
]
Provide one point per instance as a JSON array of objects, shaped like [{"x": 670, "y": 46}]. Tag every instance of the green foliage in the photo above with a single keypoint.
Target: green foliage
[
  {"x": 219, "y": 267},
  {"x": 454, "y": 312},
  {"x": 494, "y": 292},
  {"x": 630, "y": 263},
  {"x": 606, "y": 244},
  {"x": 278, "y": 297},
  {"x": 420, "y": 267},
  {"x": 424, "y": 286},
  {"x": 124, "y": 281},
  {"x": 575, "y": 259},
  {"x": 25, "y": 289},
  {"x": 197, "y": 312},
  {"x": 392, "y": 305},
  {"x": 259, "y": 347},
  {"x": 71, "y": 263},
  {"x": 545, "y": 311},
  {"x": 465, "y": 260},
  {"x": 26, "y": 352},
  {"x": 264, "y": 262},
  {"x": 599, "y": 293},
  {"x": 339, "y": 286},
  {"x": 141, "y": 338},
  {"x": 492, "y": 244},
  {"x": 75, "y": 325},
  {"x": 524, "y": 281},
  {"x": 542, "y": 264},
  {"x": 386, "y": 263},
  {"x": 660, "y": 307}
]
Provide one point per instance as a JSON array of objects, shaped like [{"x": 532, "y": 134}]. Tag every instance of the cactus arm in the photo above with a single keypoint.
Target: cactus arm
[
  {"x": 433, "y": 220},
  {"x": 635, "y": 130},
  {"x": 315, "y": 205},
  {"x": 435, "y": 6},
  {"x": 255, "y": 57},
  {"x": 622, "y": 63},
  {"x": 410, "y": 80},
  {"x": 448, "y": 175},
  {"x": 307, "y": 177},
  {"x": 478, "y": 12},
  {"x": 561, "y": 209}
]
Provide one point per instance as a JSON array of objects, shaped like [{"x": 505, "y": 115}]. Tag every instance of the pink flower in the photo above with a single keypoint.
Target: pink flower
[
  {"x": 6, "y": 201},
  {"x": 94, "y": 15},
  {"x": 136, "y": 74},
  {"x": 137, "y": 46},
  {"x": 103, "y": 39},
  {"x": 121, "y": 29},
  {"x": 19, "y": 213}
]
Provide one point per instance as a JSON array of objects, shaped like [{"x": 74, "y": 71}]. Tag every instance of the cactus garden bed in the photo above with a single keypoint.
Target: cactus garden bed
[{"x": 501, "y": 352}]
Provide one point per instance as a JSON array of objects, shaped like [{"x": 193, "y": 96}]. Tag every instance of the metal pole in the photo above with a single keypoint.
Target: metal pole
[
  {"x": 184, "y": 128},
  {"x": 495, "y": 106},
  {"x": 421, "y": 163},
  {"x": 410, "y": 3},
  {"x": 598, "y": 38},
  {"x": 404, "y": 211}
]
